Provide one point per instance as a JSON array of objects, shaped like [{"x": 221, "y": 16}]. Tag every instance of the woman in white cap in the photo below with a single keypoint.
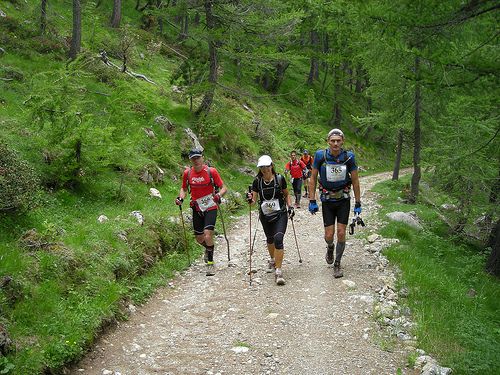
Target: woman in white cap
[{"x": 274, "y": 204}]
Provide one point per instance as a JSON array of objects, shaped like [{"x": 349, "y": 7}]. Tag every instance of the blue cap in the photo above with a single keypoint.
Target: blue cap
[{"x": 194, "y": 153}]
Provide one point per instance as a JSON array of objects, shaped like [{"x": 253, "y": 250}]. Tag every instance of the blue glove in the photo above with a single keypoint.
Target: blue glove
[
  {"x": 313, "y": 207},
  {"x": 357, "y": 208}
]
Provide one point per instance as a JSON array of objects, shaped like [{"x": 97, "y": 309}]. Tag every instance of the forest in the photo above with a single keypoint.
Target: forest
[{"x": 98, "y": 100}]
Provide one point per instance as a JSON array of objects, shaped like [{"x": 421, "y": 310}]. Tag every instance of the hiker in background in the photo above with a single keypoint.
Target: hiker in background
[
  {"x": 206, "y": 189},
  {"x": 274, "y": 203},
  {"x": 308, "y": 161},
  {"x": 296, "y": 169},
  {"x": 337, "y": 171}
]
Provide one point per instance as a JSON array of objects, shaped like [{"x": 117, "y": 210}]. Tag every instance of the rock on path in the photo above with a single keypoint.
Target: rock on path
[{"x": 315, "y": 324}]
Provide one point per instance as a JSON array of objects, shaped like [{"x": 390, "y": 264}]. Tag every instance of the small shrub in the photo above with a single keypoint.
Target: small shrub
[
  {"x": 9, "y": 24},
  {"x": 44, "y": 44},
  {"x": 18, "y": 181},
  {"x": 10, "y": 73}
]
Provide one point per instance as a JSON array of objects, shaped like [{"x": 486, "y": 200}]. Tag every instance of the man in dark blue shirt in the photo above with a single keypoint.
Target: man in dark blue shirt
[{"x": 337, "y": 172}]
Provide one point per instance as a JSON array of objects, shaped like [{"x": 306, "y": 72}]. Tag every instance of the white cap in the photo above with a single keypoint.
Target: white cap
[
  {"x": 264, "y": 161},
  {"x": 335, "y": 132}
]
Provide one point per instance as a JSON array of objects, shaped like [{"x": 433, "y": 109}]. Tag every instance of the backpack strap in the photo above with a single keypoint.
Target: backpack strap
[
  {"x": 343, "y": 154},
  {"x": 279, "y": 182}
]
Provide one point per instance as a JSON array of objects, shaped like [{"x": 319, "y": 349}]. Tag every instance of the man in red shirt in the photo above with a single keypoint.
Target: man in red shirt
[
  {"x": 296, "y": 169},
  {"x": 308, "y": 161},
  {"x": 206, "y": 189}
]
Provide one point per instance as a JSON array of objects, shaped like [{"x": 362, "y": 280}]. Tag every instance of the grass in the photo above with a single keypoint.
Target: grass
[{"x": 454, "y": 302}]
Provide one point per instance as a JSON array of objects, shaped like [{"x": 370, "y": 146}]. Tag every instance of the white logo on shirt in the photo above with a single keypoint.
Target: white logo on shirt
[{"x": 198, "y": 179}]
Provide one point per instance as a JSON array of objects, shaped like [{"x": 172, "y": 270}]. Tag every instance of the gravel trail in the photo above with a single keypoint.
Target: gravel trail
[{"x": 315, "y": 324}]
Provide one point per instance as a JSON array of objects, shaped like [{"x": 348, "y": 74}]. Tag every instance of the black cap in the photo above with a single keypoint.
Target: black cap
[{"x": 194, "y": 153}]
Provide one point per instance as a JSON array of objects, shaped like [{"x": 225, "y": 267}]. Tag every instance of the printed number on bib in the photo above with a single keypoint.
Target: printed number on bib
[
  {"x": 335, "y": 172},
  {"x": 270, "y": 206},
  {"x": 204, "y": 203}
]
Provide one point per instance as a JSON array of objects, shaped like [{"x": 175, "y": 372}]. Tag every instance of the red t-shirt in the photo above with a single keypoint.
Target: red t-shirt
[
  {"x": 295, "y": 168},
  {"x": 308, "y": 161},
  {"x": 200, "y": 182}
]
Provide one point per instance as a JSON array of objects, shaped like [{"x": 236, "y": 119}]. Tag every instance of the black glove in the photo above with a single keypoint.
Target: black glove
[
  {"x": 357, "y": 208},
  {"x": 178, "y": 201},
  {"x": 291, "y": 212}
]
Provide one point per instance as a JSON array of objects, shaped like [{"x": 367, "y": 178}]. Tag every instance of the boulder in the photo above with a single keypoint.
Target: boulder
[
  {"x": 434, "y": 369},
  {"x": 139, "y": 216},
  {"x": 146, "y": 177},
  {"x": 449, "y": 207},
  {"x": 154, "y": 193},
  {"x": 150, "y": 133},
  {"x": 102, "y": 219},
  {"x": 409, "y": 218},
  {"x": 5, "y": 341},
  {"x": 373, "y": 237},
  {"x": 164, "y": 122},
  {"x": 194, "y": 139}
]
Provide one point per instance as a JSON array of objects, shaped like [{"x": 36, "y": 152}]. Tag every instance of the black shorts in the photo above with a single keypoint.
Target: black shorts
[
  {"x": 336, "y": 210},
  {"x": 297, "y": 185},
  {"x": 203, "y": 220},
  {"x": 276, "y": 225}
]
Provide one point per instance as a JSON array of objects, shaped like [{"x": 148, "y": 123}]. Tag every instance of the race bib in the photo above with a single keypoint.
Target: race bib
[
  {"x": 271, "y": 206},
  {"x": 335, "y": 172},
  {"x": 204, "y": 203}
]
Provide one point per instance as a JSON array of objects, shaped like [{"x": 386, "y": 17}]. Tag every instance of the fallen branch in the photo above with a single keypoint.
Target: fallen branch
[{"x": 104, "y": 57}]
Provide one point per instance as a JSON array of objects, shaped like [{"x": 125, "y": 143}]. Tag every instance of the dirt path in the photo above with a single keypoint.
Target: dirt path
[{"x": 315, "y": 324}]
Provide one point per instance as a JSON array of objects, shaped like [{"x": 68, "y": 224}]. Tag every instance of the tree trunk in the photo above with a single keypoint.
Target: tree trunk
[
  {"x": 324, "y": 79},
  {"x": 359, "y": 79},
  {"x": 206, "y": 103},
  {"x": 76, "y": 38},
  {"x": 117, "y": 14},
  {"x": 183, "y": 34},
  {"x": 399, "y": 152},
  {"x": 43, "y": 17},
  {"x": 493, "y": 263},
  {"x": 281, "y": 67},
  {"x": 415, "y": 179},
  {"x": 314, "y": 65},
  {"x": 325, "y": 48},
  {"x": 336, "y": 117}
]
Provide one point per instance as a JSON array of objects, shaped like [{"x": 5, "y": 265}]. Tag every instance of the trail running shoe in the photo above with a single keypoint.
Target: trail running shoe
[
  {"x": 210, "y": 269},
  {"x": 278, "y": 276},
  {"x": 337, "y": 271},
  {"x": 270, "y": 266},
  {"x": 329, "y": 255}
]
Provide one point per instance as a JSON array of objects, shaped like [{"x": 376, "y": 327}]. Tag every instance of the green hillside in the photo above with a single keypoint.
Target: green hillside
[{"x": 77, "y": 135}]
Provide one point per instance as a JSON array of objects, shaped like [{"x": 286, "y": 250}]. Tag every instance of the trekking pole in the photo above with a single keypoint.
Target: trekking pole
[
  {"x": 296, "y": 242},
  {"x": 255, "y": 233},
  {"x": 250, "y": 239},
  {"x": 224, "y": 230},
  {"x": 185, "y": 237}
]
